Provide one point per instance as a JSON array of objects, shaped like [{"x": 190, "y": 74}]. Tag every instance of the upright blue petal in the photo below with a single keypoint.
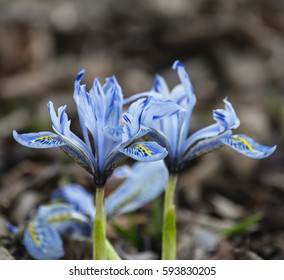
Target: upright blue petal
[
  {"x": 227, "y": 118},
  {"x": 80, "y": 76},
  {"x": 184, "y": 78},
  {"x": 146, "y": 182},
  {"x": 161, "y": 87},
  {"x": 114, "y": 101},
  {"x": 248, "y": 147},
  {"x": 75, "y": 148}
]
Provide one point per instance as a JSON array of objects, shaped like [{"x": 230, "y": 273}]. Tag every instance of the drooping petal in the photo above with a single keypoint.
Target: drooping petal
[
  {"x": 145, "y": 151},
  {"x": 39, "y": 140},
  {"x": 227, "y": 117},
  {"x": 42, "y": 241},
  {"x": 146, "y": 182},
  {"x": 65, "y": 219},
  {"x": 78, "y": 197},
  {"x": 79, "y": 157},
  {"x": 248, "y": 147},
  {"x": 43, "y": 140},
  {"x": 203, "y": 147},
  {"x": 207, "y": 132}
]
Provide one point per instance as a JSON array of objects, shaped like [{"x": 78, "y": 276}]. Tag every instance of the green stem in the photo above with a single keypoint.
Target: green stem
[
  {"x": 169, "y": 221},
  {"x": 111, "y": 254},
  {"x": 99, "y": 231}
]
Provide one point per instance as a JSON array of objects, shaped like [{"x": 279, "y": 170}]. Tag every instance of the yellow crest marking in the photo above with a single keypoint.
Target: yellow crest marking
[
  {"x": 32, "y": 234},
  {"x": 245, "y": 143},
  {"x": 43, "y": 137},
  {"x": 146, "y": 151},
  {"x": 59, "y": 218}
]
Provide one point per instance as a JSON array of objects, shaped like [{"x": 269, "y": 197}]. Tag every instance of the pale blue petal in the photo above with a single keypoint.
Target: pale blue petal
[
  {"x": 161, "y": 87},
  {"x": 184, "y": 78},
  {"x": 78, "y": 197},
  {"x": 131, "y": 125},
  {"x": 157, "y": 110},
  {"x": 248, "y": 147},
  {"x": 65, "y": 219},
  {"x": 42, "y": 241},
  {"x": 159, "y": 137},
  {"x": 207, "y": 132},
  {"x": 42, "y": 140},
  {"x": 146, "y": 182},
  {"x": 171, "y": 129},
  {"x": 80, "y": 76},
  {"x": 39, "y": 140},
  {"x": 114, "y": 101},
  {"x": 80, "y": 97},
  {"x": 79, "y": 157},
  {"x": 179, "y": 95},
  {"x": 75, "y": 147},
  {"x": 115, "y": 160},
  {"x": 99, "y": 99},
  {"x": 188, "y": 102},
  {"x": 145, "y": 151},
  {"x": 146, "y": 94},
  {"x": 114, "y": 133},
  {"x": 227, "y": 117},
  {"x": 204, "y": 146},
  {"x": 123, "y": 171}
]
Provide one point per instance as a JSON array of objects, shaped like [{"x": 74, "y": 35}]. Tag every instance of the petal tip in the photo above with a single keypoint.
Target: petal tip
[
  {"x": 177, "y": 64},
  {"x": 80, "y": 75}
]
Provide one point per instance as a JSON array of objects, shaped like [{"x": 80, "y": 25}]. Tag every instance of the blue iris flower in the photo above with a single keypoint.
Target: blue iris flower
[
  {"x": 173, "y": 132},
  {"x": 42, "y": 236},
  {"x": 71, "y": 211},
  {"x": 106, "y": 141}
]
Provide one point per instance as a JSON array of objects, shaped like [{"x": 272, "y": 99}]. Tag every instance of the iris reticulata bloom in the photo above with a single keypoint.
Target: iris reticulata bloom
[
  {"x": 107, "y": 143},
  {"x": 42, "y": 237},
  {"x": 72, "y": 210},
  {"x": 173, "y": 132}
]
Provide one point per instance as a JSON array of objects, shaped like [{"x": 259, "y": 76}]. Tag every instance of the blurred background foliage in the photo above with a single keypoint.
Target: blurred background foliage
[{"x": 230, "y": 48}]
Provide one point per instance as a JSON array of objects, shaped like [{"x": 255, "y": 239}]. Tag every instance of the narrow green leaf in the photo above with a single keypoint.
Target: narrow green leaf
[{"x": 242, "y": 225}]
